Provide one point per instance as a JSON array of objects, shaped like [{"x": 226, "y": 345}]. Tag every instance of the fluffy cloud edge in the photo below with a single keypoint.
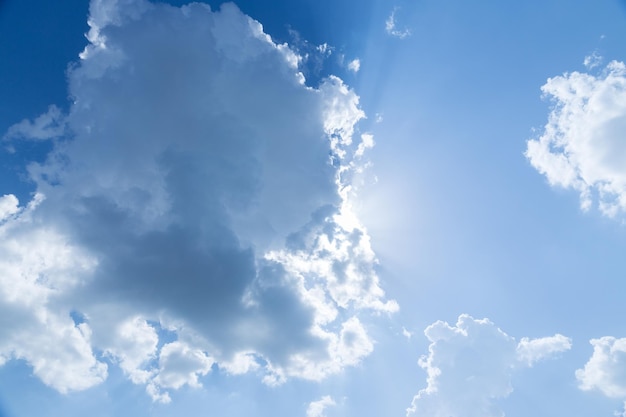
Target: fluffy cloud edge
[
  {"x": 470, "y": 365},
  {"x": 603, "y": 371},
  {"x": 581, "y": 147}
]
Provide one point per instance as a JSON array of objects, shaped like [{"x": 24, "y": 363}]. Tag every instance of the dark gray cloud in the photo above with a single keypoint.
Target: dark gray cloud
[{"x": 200, "y": 187}]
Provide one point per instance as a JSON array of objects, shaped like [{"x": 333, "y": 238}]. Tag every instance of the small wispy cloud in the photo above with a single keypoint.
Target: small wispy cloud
[
  {"x": 46, "y": 126},
  {"x": 391, "y": 26},
  {"x": 407, "y": 333},
  {"x": 593, "y": 60}
]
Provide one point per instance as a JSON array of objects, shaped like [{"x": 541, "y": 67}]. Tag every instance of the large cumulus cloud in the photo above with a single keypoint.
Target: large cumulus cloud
[
  {"x": 198, "y": 188},
  {"x": 582, "y": 146}
]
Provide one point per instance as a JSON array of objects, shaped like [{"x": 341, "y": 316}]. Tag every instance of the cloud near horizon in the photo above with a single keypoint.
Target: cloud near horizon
[
  {"x": 605, "y": 369},
  {"x": 198, "y": 188},
  {"x": 391, "y": 26},
  {"x": 469, "y": 367}
]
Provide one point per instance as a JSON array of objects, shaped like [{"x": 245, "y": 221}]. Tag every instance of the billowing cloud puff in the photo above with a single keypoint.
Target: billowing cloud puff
[
  {"x": 198, "y": 189},
  {"x": 318, "y": 408},
  {"x": 606, "y": 369},
  {"x": 582, "y": 146},
  {"x": 470, "y": 364},
  {"x": 531, "y": 351}
]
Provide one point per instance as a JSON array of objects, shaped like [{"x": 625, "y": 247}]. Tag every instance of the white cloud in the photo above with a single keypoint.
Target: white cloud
[
  {"x": 9, "y": 205},
  {"x": 347, "y": 348},
  {"x": 367, "y": 142},
  {"x": 354, "y": 65},
  {"x": 134, "y": 344},
  {"x": 318, "y": 408},
  {"x": 46, "y": 126},
  {"x": 241, "y": 363},
  {"x": 325, "y": 49},
  {"x": 180, "y": 364},
  {"x": 582, "y": 146},
  {"x": 592, "y": 61},
  {"x": 470, "y": 365},
  {"x": 534, "y": 350},
  {"x": 407, "y": 333},
  {"x": 391, "y": 26},
  {"x": 37, "y": 264},
  {"x": 606, "y": 369},
  {"x": 203, "y": 190}
]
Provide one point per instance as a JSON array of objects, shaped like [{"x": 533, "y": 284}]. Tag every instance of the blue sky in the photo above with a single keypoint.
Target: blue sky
[{"x": 358, "y": 208}]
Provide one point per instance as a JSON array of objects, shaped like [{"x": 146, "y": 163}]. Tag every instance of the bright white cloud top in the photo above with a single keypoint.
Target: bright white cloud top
[
  {"x": 469, "y": 366},
  {"x": 583, "y": 146},
  {"x": 605, "y": 369},
  {"x": 197, "y": 187},
  {"x": 604, "y": 372},
  {"x": 318, "y": 408}
]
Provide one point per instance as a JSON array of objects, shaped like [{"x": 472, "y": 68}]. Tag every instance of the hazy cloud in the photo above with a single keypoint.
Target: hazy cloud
[
  {"x": 593, "y": 60},
  {"x": 354, "y": 65},
  {"x": 605, "y": 370},
  {"x": 531, "y": 351},
  {"x": 9, "y": 205},
  {"x": 317, "y": 408},
  {"x": 470, "y": 365},
  {"x": 46, "y": 126}
]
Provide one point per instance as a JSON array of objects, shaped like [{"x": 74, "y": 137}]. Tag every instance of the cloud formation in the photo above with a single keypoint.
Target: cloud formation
[
  {"x": 354, "y": 65},
  {"x": 318, "y": 408},
  {"x": 392, "y": 29},
  {"x": 197, "y": 188},
  {"x": 605, "y": 369},
  {"x": 470, "y": 364},
  {"x": 582, "y": 146},
  {"x": 604, "y": 372},
  {"x": 46, "y": 126},
  {"x": 9, "y": 205}
]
